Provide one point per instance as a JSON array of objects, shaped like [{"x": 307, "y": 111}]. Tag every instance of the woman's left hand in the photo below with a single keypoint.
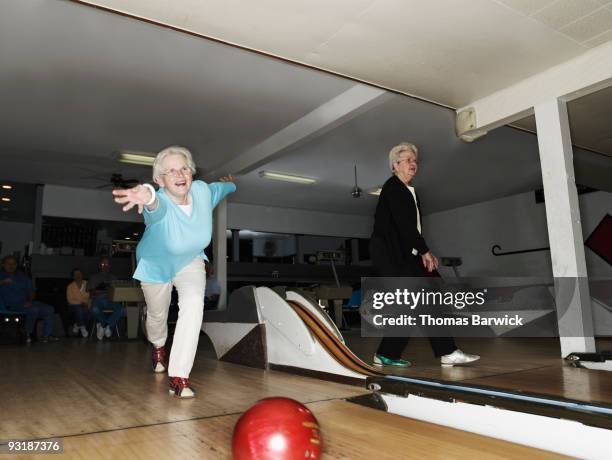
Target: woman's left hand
[{"x": 228, "y": 178}]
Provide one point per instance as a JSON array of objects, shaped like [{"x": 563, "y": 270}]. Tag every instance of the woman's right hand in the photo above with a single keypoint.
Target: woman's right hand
[{"x": 135, "y": 196}]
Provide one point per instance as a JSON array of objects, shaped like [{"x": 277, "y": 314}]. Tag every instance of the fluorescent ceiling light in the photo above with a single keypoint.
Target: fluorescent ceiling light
[
  {"x": 136, "y": 158},
  {"x": 5, "y": 199},
  {"x": 376, "y": 191},
  {"x": 286, "y": 177},
  {"x": 7, "y": 187}
]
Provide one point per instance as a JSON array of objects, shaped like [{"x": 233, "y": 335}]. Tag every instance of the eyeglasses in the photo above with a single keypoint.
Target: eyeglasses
[
  {"x": 411, "y": 160},
  {"x": 184, "y": 171}
]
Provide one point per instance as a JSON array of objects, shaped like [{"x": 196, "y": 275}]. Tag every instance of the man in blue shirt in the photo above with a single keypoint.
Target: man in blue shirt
[
  {"x": 17, "y": 294},
  {"x": 99, "y": 286}
]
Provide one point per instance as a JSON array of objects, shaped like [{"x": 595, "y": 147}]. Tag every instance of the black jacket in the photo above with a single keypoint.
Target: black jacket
[{"x": 395, "y": 232}]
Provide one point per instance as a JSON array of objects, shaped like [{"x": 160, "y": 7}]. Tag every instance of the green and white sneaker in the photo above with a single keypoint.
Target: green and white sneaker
[{"x": 380, "y": 360}]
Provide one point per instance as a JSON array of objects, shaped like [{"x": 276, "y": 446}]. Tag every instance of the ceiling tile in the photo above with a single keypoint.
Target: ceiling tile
[
  {"x": 527, "y": 6},
  {"x": 564, "y": 12},
  {"x": 590, "y": 26},
  {"x": 599, "y": 40}
]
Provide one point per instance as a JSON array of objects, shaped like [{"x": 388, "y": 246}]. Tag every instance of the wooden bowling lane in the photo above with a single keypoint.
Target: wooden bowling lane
[
  {"x": 355, "y": 432},
  {"x": 497, "y": 355},
  {"x": 556, "y": 381},
  {"x": 521, "y": 364},
  {"x": 349, "y": 432},
  {"x": 69, "y": 387}
]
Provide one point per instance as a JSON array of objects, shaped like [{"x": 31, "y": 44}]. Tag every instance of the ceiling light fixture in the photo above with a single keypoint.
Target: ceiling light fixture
[
  {"x": 7, "y": 187},
  {"x": 5, "y": 199},
  {"x": 375, "y": 192},
  {"x": 136, "y": 158},
  {"x": 286, "y": 177}
]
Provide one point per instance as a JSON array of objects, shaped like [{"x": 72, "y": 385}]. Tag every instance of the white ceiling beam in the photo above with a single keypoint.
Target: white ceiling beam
[
  {"x": 335, "y": 112},
  {"x": 577, "y": 77}
]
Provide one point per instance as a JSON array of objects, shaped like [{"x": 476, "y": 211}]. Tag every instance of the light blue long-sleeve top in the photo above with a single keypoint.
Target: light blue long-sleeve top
[{"x": 172, "y": 239}]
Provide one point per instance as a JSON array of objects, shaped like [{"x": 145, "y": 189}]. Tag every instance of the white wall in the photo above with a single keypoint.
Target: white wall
[
  {"x": 80, "y": 203},
  {"x": 14, "y": 236},
  {"x": 514, "y": 223},
  {"x": 288, "y": 220},
  {"x": 60, "y": 201}
]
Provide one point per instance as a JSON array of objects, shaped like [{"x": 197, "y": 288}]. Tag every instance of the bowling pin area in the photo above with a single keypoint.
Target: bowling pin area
[{"x": 103, "y": 401}]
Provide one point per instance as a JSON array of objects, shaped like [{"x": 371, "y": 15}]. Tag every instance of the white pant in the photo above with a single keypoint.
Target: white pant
[{"x": 190, "y": 283}]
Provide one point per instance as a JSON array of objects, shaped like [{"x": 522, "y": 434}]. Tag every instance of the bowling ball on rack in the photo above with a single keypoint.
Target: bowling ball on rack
[{"x": 277, "y": 429}]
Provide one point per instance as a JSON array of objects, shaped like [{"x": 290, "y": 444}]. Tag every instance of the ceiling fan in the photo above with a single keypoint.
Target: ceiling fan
[
  {"x": 356, "y": 193},
  {"x": 116, "y": 180}
]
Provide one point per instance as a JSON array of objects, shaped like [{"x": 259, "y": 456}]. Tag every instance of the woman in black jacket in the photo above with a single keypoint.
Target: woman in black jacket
[{"x": 399, "y": 250}]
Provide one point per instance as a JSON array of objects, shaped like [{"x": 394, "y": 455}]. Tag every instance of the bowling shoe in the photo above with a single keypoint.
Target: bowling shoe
[
  {"x": 380, "y": 360},
  {"x": 458, "y": 357},
  {"x": 181, "y": 388},
  {"x": 159, "y": 359},
  {"x": 99, "y": 331}
]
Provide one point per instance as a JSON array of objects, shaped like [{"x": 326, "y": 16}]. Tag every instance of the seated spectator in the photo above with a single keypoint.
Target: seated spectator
[
  {"x": 78, "y": 302},
  {"x": 17, "y": 294},
  {"x": 212, "y": 291},
  {"x": 355, "y": 300},
  {"x": 99, "y": 286}
]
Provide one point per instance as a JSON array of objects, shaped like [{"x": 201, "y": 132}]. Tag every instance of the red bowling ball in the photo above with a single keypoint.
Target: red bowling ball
[{"x": 277, "y": 429}]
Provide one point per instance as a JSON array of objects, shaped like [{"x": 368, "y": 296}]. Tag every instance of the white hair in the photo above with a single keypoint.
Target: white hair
[
  {"x": 172, "y": 150},
  {"x": 395, "y": 152}
]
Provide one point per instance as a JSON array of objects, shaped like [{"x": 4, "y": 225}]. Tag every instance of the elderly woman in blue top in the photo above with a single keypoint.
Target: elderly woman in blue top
[{"x": 178, "y": 222}]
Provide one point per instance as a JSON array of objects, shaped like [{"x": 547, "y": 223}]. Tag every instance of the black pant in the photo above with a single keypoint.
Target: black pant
[{"x": 392, "y": 347}]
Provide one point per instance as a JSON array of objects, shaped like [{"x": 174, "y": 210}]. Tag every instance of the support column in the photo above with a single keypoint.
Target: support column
[
  {"x": 37, "y": 229},
  {"x": 572, "y": 294},
  {"x": 355, "y": 251},
  {"x": 220, "y": 250},
  {"x": 299, "y": 253},
  {"x": 235, "y": 245}
]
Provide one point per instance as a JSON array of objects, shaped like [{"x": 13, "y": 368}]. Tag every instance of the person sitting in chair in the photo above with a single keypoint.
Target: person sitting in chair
[
  {"x": 99, "y": 288},
  {"x": 78, "y": 302},
  {"x": 17, "y": 293}
]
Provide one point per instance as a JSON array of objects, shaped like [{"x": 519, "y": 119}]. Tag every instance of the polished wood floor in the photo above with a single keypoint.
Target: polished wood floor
[
  {"x": 349, "y": 432},
  {"x": 521, "y": 364},
  {"x": 72, "y": 388},
  {"x": 103, "y": 400}
]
